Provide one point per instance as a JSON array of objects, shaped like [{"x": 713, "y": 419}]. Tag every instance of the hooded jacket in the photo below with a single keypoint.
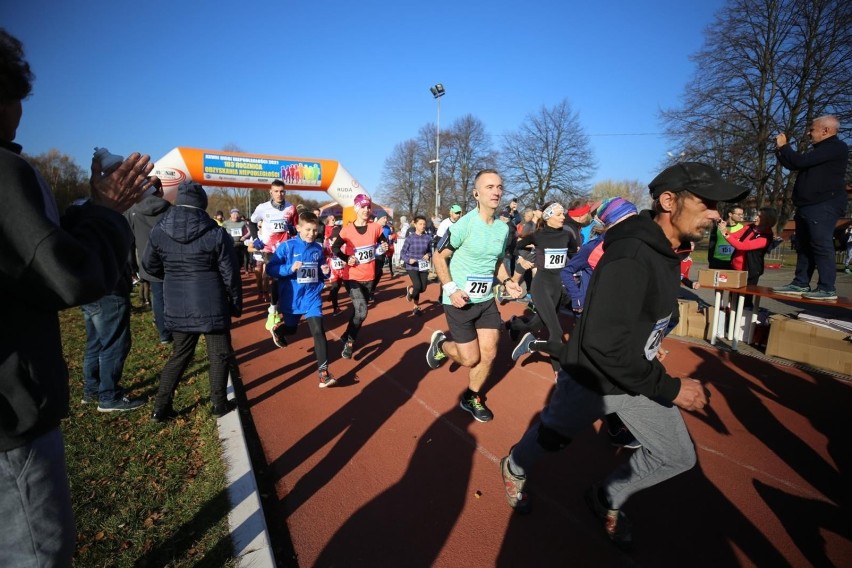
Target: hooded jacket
[
  {"x": 142, "y": 218},
  {"x": 45, "y": 268},
  {"x": 196, "y": 260},
  {"x": 613, "y": 348}
]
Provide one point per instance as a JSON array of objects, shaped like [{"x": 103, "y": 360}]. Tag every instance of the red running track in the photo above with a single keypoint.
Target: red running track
[{"x": 385, "y": 469}]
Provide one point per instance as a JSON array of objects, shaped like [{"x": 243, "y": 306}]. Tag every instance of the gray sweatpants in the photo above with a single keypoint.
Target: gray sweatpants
[{"x": 666, "y": 447}]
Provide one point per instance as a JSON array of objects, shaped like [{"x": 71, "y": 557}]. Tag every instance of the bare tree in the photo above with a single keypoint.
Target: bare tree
[
  {"x": 466, "y": 151},
  {"x": 767, "y": 66},
  {"x": 548, "y": 157},
  {"x": 632, "y": 190},
  {"x": 404, "y": 179},
  {"x": 64, "y": 177}
]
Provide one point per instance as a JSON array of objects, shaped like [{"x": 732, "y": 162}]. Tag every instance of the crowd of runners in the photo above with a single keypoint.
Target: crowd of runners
[{"x": 565, "y": 262}]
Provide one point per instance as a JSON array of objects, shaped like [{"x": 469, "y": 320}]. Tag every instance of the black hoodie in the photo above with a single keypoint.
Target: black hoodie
[
  {"x": 627, "y": 309},
  {"x": 142, "y": 218}
]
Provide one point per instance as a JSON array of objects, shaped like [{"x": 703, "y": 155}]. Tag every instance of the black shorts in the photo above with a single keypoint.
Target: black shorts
[{"x": 463, "y": 322}]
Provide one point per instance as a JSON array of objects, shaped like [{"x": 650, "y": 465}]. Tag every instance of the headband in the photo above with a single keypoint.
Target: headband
[
  {"x": 580, "y": 211},
  {"x": 548, "y": 213}
]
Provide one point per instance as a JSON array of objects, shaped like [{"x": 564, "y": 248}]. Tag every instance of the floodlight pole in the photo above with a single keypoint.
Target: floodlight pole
[{"x": 437, "y": 91}]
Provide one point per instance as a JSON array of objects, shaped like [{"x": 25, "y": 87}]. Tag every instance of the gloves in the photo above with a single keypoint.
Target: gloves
[{"x": 257, "y": 244}]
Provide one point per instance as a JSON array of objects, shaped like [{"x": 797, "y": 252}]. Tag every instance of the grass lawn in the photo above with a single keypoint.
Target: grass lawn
[{"x": 145, "y": 494}]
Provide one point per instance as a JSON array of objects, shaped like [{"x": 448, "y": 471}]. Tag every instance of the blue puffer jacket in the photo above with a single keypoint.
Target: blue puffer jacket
[{"x": 198, "y": 265}]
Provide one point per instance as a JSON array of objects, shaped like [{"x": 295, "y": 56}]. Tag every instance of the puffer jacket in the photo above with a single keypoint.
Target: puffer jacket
[{"x": 198, "y": 265}]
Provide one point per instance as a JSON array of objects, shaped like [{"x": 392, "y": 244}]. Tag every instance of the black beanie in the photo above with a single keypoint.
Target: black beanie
[{"x": 192, "y": 194}]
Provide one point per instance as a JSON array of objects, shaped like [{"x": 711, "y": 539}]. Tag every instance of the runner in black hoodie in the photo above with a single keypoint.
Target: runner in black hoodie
[{"x": 612, "y": 361}]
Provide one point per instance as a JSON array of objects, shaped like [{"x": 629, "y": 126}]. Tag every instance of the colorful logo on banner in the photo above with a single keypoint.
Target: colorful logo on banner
[
  {"x": 301, "y": 173},
  {"x": 247, "y": 169}
]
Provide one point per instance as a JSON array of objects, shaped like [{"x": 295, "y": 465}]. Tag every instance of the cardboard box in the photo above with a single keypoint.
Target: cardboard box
[
  {"x": 696, "y": 325},
  {"x": 808, "y": 343},
  {"x": 722, "y": 278},
  {"x": 685, "y": 308}
]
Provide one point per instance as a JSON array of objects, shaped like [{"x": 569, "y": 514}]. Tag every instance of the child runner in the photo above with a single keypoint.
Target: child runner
[
  {"x": 416, "y": 256},
  {"x": 299, "y": 267},
  {"x": 359, "y": 238}
]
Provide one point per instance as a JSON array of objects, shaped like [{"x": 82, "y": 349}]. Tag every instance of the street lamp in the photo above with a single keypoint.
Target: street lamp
[{"x": 437, "y": 91}]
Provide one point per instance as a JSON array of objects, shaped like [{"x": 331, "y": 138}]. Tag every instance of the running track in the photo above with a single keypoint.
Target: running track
[{"x": 386, "y": 470}]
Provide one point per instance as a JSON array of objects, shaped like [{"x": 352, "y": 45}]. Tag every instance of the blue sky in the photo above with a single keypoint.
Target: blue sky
[{"x": 349, "y": 80}]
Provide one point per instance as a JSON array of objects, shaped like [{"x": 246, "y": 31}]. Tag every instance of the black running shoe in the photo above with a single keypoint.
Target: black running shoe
[
  {"x": 476, "y": 406},
  {"x": 348, "y": 345},
  {"x": 278, "y": 336},
  {"x": 434, "y": 356}
]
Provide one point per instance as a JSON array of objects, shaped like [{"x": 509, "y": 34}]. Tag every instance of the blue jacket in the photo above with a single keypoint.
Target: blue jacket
[
  {"x": 296, "y": 297},
  {"x": 577, "y": 273}
]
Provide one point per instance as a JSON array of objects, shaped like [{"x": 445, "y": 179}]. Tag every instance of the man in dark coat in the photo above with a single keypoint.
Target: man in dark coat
[
  {"x": 46, "y": 266},
  {"x": 202, "y": 290},
  {"x": 820, "y": 199},
  {"x": 142, "y": 218}
]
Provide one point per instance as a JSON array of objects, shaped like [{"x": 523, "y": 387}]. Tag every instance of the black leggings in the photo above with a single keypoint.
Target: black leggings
[
  {"x": 333, "y": 292},
  {"x": 419, "y": 281},
  {"x": 320, "y": 342},
  {"x": 382, "y": 261},
  {"x": 547, "y": 294},
  {"x": 358, "y": 292},
  {"x": 218, "y": 354}
]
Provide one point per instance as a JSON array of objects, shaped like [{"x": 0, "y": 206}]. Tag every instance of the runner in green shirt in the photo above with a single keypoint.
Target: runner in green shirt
[{"x": 477, "y": 244}]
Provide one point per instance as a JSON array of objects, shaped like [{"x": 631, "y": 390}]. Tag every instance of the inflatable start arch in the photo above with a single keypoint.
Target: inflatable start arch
[{"x": 256, "y": 171}]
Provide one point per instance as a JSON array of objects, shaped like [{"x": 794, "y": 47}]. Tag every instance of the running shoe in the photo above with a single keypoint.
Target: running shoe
[
  {"x": 523, "y": 347},
  {"x": 408, "y": 293},
  {"x": 476, "y": 406},
  {"x": 122, "y": 404},
  {"x": 417, "y": 311},
  {"x": 434, "y": 356},
  {"x": 278, "y": 336},
  {"x": 616, "y": 525},
  {"x": 623, "y": 438},
  {"x": 273, "y": 319},
  {"x": 326, "y": 380},
  {"x": 518, "y": 499},
  {"x": 791, "y": 290},
  {"x": 498, "y": 294},
  {"x": 820, "y": 295},
  {"x": 348, "y": 345}
]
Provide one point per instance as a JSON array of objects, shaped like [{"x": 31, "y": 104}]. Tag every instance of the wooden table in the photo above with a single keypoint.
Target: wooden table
[{"x": 758, "y": 292}]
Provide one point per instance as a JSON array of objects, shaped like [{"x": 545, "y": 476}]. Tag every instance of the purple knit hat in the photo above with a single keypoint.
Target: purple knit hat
[{"x": 614, "y": 209}]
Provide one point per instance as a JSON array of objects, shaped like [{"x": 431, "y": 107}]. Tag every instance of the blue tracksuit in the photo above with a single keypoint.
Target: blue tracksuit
[{"x": 299, "y": 292}]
